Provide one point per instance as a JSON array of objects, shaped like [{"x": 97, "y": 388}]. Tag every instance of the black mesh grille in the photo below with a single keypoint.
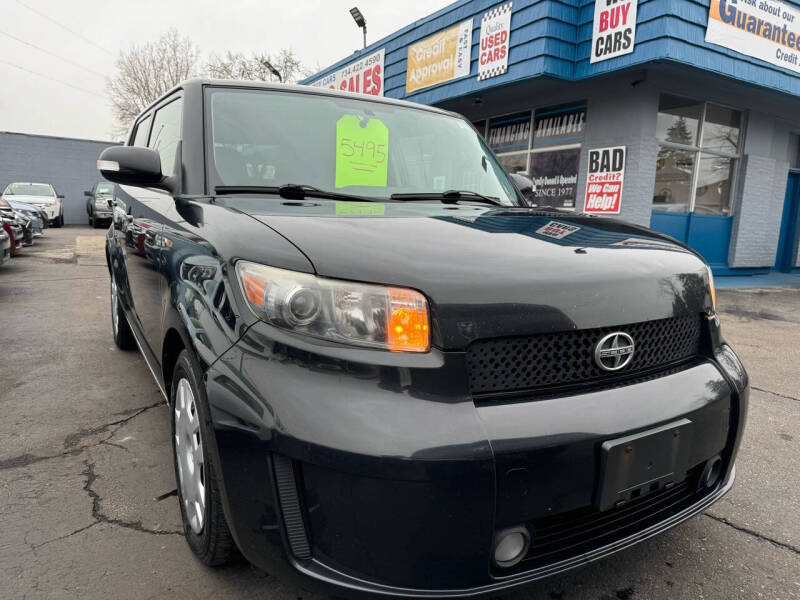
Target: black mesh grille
[{"x": 567, "y": 358}]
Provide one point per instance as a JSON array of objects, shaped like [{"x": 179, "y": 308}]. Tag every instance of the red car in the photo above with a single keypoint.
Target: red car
[{"x": 15, "y": 236}]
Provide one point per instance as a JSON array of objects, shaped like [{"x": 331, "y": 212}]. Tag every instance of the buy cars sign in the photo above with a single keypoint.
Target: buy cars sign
[
  {"x": 364, "y": 76},
  {"x": 604, "y": 181},
  {"x": 614, "y": 29}
]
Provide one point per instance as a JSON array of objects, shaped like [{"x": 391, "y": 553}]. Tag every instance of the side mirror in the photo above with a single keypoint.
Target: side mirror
[
  {"x": 88, "y": 193},
  {"x": 524, "y": 184},
  {"x": 131, "y": 165}
]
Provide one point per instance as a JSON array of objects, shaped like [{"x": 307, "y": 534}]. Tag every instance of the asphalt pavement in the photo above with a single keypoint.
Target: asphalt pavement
[{"x": 86, "y": 470}]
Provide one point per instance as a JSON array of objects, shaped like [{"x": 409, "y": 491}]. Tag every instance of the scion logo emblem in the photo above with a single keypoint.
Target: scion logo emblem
[{"x": 614, "y": 351}]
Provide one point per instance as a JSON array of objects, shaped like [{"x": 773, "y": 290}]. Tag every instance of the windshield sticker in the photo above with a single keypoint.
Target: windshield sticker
[
  {"x": 557, "y": 230},
  {"x": 360, "y": 208},
  {"x": 362, "y": 147}
]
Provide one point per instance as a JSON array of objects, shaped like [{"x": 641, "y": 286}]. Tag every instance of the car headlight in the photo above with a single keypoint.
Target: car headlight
[
  {"x": 389, "y": 318},
  {"x": 711, "y": 289}
]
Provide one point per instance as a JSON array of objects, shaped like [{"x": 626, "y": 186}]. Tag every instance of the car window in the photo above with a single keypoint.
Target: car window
[
  {"x": 358, "y": 146},
  {"x": 140, "y": 138},
  {"x": 166, "y": 134},
  {"x": 30, "y": 189},
  {"x": 104, "y": 188}
]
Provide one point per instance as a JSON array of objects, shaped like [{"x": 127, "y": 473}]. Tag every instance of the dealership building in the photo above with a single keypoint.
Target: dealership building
[{"x": 681, "y": 115}]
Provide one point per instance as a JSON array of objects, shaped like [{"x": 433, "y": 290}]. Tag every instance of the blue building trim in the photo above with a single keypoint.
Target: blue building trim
[{"x": 552, "y": 38}]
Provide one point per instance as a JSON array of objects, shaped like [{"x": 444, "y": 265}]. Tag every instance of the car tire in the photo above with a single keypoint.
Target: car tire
[
  {"x": 123, "y": 336},
  {"x": 205, "y": 528}
]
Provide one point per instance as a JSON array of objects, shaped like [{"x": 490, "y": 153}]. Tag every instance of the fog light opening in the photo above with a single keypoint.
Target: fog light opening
[
  {"x": 711, "y": 473},
  {"x": 511, "y": 545}
]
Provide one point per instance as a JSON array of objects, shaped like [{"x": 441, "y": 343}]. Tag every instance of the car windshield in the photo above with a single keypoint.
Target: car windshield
[
  {"x": 358, "y": 147},
  {"x": 104, "y": 188},
  {"x": 29, "y": 189}
]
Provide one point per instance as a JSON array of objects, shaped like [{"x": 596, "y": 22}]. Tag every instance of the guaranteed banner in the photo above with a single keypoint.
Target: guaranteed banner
[
  {"x": 440, "y": 57},
  {"x": 364, "y": 76},
  {"x": 495, "y": 33},
  {"x": 604, "y": 181},
  {"x": 765, "y": 29},
  {"x": 614, "y": 29}
]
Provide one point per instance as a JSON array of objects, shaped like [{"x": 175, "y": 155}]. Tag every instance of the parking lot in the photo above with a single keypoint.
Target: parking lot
[{"x": 86, "y": 470}]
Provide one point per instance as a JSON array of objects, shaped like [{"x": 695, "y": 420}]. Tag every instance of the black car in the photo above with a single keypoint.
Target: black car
[
  {"x": 386, "y": 372},
  {"x": 99, "y": 203}
]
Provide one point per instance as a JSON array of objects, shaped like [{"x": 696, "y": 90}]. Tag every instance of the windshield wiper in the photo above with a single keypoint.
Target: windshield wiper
[
  {"x": 290, "y": 191},
  {"x": 449, "y": 197}
]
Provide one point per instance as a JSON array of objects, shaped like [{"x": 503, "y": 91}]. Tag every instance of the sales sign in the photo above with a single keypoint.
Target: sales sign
[
  {"x": 614, "y": 29},
  {"x": 604, "y": 181},
  {"x": 765, "y": 29},
  {"x": 495, "y": 33},
  {"x": 440, "y": 57},
  {"x": 364, "y": 76}
]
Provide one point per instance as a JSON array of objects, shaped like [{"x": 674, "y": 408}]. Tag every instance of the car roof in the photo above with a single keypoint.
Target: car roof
[{"x": 291, "y": 87}]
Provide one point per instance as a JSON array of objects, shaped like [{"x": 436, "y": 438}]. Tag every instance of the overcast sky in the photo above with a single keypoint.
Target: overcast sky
[{"x": 57, "y": 88}]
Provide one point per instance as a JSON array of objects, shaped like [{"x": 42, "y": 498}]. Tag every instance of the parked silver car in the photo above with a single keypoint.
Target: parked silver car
[
  {"x": 37, "y": 216},
  {"x": 41, "y": 195}
]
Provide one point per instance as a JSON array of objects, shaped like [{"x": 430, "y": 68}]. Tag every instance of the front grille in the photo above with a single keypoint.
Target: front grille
[
  {"x": 534, "y": 362},
  {"x": 577, "y": 532}
]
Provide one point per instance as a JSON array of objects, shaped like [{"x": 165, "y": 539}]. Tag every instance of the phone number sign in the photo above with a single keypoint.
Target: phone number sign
[{"x": 364, "y": 76}]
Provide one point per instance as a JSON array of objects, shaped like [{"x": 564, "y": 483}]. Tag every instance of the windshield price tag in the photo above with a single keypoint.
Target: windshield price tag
[{"x": 362, "y": 148}]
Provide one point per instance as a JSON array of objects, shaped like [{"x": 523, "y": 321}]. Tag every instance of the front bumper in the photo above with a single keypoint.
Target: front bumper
[{"x": 398, "y": 480}]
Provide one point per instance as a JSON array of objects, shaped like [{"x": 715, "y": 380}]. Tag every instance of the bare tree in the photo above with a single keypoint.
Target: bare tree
[
  {"x": 146, "y": 71},
  {"x": 236, "y": 65}
]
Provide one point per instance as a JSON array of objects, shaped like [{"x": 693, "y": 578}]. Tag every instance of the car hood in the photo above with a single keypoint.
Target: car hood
[
  {"x": 36, "y": 200},
  {"x": 492, "y": 272}
]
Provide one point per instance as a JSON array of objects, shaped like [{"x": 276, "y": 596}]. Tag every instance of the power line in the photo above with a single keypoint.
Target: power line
[
  {"x": 43, "y": 76},
  {"x": 40, "y": 49},
  {"x": 64, "y": 27}
]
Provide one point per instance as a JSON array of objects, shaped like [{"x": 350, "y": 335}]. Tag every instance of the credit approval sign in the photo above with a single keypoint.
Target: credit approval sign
[
  {"x": 440, "y": 57},
  {"x": 765, "y": 29},
  {"x": 364, "y": 76}
]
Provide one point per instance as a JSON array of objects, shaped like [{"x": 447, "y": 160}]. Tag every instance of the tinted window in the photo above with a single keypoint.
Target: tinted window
[
  {"x": 166, "y": 134},
  {"x": 140, "y": 139}
]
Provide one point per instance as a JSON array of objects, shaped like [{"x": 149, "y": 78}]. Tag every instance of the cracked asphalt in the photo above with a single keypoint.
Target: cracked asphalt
[{"x": 86, "y": 473}]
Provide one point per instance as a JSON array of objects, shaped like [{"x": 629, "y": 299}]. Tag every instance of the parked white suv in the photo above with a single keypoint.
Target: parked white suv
[{"x": 41, "y": 195}]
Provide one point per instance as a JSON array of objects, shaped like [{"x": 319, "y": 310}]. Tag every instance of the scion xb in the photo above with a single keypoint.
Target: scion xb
[{"x": 387, "y": 372}]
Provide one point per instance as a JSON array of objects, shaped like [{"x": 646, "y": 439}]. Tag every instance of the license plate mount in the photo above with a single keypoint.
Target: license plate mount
[{"x": 637, "y": 465}]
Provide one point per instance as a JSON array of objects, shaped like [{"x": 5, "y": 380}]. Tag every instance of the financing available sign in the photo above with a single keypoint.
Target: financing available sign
[
  {"x": 764, "y": 29},
  {"x": 440, "y": 57},
  {"x": 364, "y": 76},
  {"x": 495, "y": 33},
  {"x": 604, "y": 181},
  {"x": 614, "y": 30}
]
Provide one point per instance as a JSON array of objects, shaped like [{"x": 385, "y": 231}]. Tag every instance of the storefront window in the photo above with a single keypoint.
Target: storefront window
[
  {"x": 556, "y": 153},
  {"x": 698, "y": 156}
]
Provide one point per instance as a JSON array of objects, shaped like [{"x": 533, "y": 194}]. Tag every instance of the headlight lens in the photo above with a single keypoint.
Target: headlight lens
[
  {"x": 374, "y": 316},
  {"x": 711, "y": 289}
]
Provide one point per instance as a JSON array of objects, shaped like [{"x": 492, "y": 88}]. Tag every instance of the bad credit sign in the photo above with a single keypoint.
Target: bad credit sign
[
  {"x": 364, "y": 76},
  {"x": 614, "y": 29},
  {"x": 604, "y": 181}
]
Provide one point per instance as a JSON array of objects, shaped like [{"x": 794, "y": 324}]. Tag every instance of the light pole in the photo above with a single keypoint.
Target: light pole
[
  {"x": 273, "y": 70},
  {"x": 360, "y": 21}
]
